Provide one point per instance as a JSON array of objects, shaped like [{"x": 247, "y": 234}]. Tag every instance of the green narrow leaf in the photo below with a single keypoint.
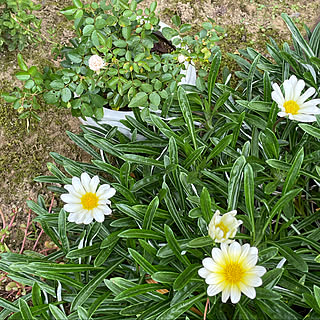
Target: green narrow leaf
[
  {"x": 36, "y": 295},
  {"x": 235, "y": 182},
  {"x": 193, "y": 157},
  {"x": 7, "y": 305},
  {"x": 213, "y": 73},
  {"x": 141, "y": 261},
  {"x": 297, "y": 35},
  {"x": 83, "y": 145},
  {"x": 316, "y": 290},
  {"x": 142, "y": 160},
  {"x": 57, "y": 313},
  {"x": 149, "y": 215},
  {"x": 315, "y": 132},
  {"x": 179, "y": 308},
  {"x": 174, "y": 212},
  {"x": 138, "y": 289},
  {"x": 186, "y": 276},
  {"x": 223, "y": 143},
  {"x": 62, "y": 229},
  {"x": 141, "y": 233},
  {"x": 174, "y": 245},
  {"x": 294, "y": 171},
  {"x": 205, "y": 204},
  {"x": 275, "y": 308},
  {"x": 25, "y": 310},
  {"x": 187, "y": 114},
  {"x": 249, "y": 195},
  {"x": 289, "y": 196},
  {"x": 293, "y": 258},
  {"x": 266, "y": 87},
  {"x": 251, "y": 76},
  {"x": 91, "y": 286}
]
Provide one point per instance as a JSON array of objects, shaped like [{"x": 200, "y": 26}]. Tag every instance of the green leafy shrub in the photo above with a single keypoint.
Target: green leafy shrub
[
  {"x": 168, "y": 187},
  {"x": 136, "y": 69},
  {"x": 18, "y": 26}
]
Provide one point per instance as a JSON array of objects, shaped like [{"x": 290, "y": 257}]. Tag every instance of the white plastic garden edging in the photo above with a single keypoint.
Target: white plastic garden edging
[{"x": 113, "y": 117}]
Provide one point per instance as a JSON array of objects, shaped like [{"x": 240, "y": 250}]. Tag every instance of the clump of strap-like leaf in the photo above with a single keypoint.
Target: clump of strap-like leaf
[{"x": 142, "y": 262}]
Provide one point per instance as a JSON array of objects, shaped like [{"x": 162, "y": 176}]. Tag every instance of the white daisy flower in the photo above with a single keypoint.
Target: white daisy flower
[
  {"x": 232, "y": 270},
  {"x": 293, "y": 104},
  {"x": 96, "y": 63},
  {"x": 85, "y": 202},
  {"x": 222, "y": 228}
]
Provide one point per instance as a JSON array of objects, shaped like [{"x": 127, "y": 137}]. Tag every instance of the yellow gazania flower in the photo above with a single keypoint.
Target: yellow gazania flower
[
  {"x": 293, "y": 104},
  {"x": 232, "y": 270},
  {"x": 222, "y": 228},
  {"x": 85, "y": 202}
]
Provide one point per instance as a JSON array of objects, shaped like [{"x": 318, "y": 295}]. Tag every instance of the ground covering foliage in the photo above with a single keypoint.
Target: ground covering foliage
[{"x": 136, "y": 251}]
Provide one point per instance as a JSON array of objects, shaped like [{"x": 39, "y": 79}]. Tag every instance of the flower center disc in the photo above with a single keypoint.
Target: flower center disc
[
  {"x": 89, "y": 201},
  {"x": 233, "y": 272},
  {"x": 222, "y": 227},
  {"x": 291, "y": 107}
]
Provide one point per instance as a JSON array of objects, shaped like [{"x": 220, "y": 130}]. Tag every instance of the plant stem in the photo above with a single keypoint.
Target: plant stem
[
  {"x": 26, "y": 232},
  {"x": 276, "y": 123}
]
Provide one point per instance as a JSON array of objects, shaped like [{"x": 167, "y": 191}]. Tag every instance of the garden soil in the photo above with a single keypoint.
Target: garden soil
[{"x": 25, "y": 147}]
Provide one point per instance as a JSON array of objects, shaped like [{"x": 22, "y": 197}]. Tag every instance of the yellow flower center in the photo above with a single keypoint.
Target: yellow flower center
[
  {"x": 222, "y": 227},
  {"x": 233, "y": 272},
  {"x": 291, "y": 107},
  {"x": 89, "y": 201}
]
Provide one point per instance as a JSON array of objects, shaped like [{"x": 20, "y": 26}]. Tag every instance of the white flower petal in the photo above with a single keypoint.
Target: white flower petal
[
  {"x": 85, "y": 181},
  {"x": 214, "y": 278},
  {"x": 226, "y": 294},
  {"x": 213, "y": 290},
  {"x": 252, "y": 280},
  {"x": 203, "y": 272},
  {"x": 69, "y": 198},
  {"x": 234, "y": 251},
  {"x": 298, "y": 89},
  {"x": 80, "y": 217},
  {"x": 235, "y": 294},
  {"x": 251, "y": 260},
  {"x": 98, "y": 215},
  {"x": 288, "y": 92},
  {"x": 108, "y": 194},
  {"x": 73, "y": 216},
  {"x": 310, "y": 103},
  {"x": 278, "y": 93},
  {"x": 72, "y": 191},
  {"x": 259, "y": 270},
  {"x": 309, "y": 110},
  {"x": 250, "y": 292},
  {"x": 106, "y": 210},
  {"x": 72, "y": 207},
  {"x": 94, "y": 184},
  {"x": 303, "y": 117},
  {"x": 217, "y": 255},
  {"x": 102, "y": 189},
  {"x": 78, "y": 185},
  {"x": 209, "y": 264},
  {"x": 282, "y": 114},
  {"x": 310, "y": 92},
  {"x": 277, "y": 98},
  {"x": 87, "y": 219}
]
